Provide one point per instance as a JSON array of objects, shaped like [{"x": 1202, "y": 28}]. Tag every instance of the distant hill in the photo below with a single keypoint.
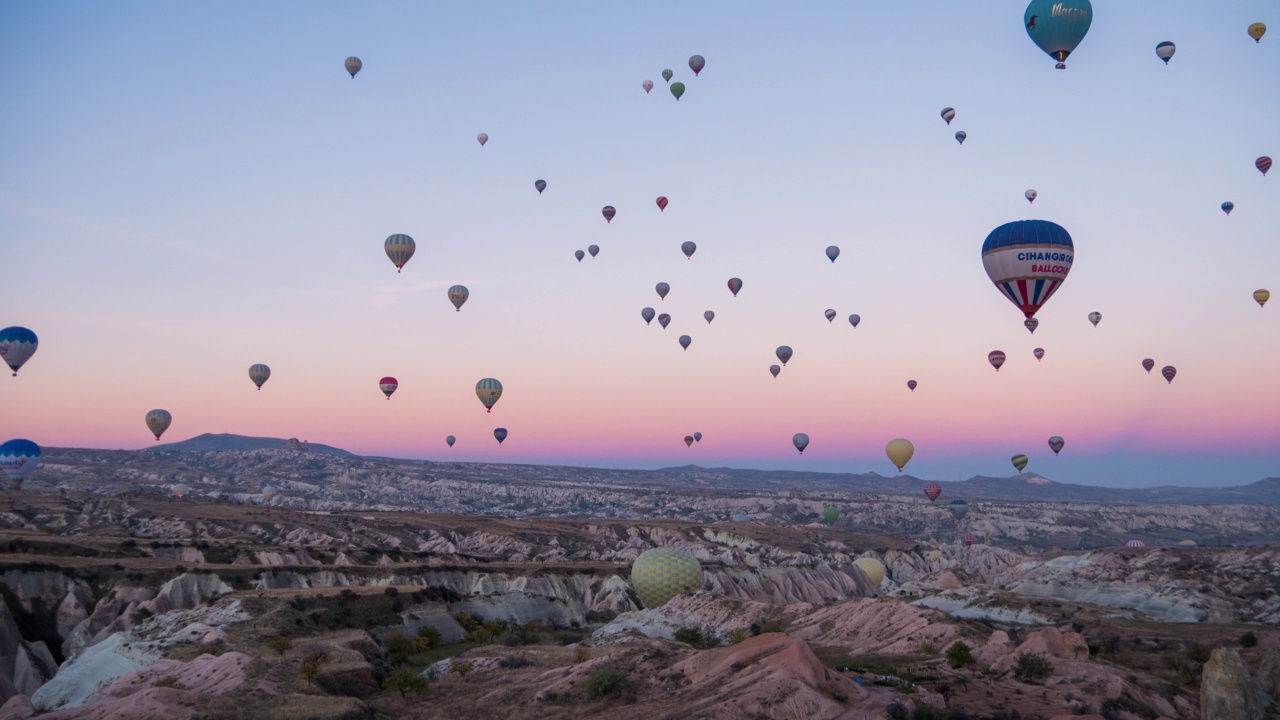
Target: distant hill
[{"x": 210, "y": 442}]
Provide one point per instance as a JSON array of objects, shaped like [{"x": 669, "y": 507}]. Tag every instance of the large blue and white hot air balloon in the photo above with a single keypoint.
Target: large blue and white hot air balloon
[
  {"x": 399, "y": 248},
  {"x": 1058, "y": 26},
  {"x": 17, "y": 345},
  {"x": 18, "y": 459},
  {"x": 1028, "y": 260}
]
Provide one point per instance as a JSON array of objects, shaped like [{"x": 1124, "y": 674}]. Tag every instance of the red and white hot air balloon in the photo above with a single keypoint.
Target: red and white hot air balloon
[
  {"x": 388, "y": 385},
  {"x": 932, "y": 491}
]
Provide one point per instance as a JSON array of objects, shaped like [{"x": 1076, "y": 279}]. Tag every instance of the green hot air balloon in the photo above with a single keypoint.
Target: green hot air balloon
[
  {"x": 662, "y": 573},
  {"x": 1019, "y": 462},
  {"x": 677, "y": 89},
  {"x": 831, "y": 513},
  {"x": 1058, "y": 26}
]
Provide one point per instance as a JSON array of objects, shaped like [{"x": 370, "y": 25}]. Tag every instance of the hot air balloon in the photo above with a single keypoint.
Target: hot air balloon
[
  {"x": 1030, "y": 195},
  {"x": 932, "y": 491},
  {"x": 540, "y": 185},
  {"x": 667, "y": 74},
  {"x": 688, "y": 440},
  {"x": 1228, "y": 206},
  {"x": 1135, "y": 544},
  {"x": 1165, "y": 50},
  {"x": 677, "y": 89},
  {"x": 1019, "y": 462},
  {"x": 353, "y": 65},
  {"x": 708, "y": 316},
  {"x": 697, "y": 437},
  {"x": 500, "y": 434},
  {"x": 1056, "y": 444},
  {"x": 450, "y": 440},
  {"x": 1169, "y": 371},
  {"x": 830, "y": 513},
  {"x": 958, "y": 508},
  {"x": 873, "y": 568},
  {"x": 399, "y": 248},
  {"x": 948, "y": 114},
  {"x": 1031, "y": 324},
  {"x": 1263, "y": 164},
  {"x": 664, "y": 320},
  {"x": 17, "y": 345},
  {"x": 685, "y": 341},
  {"x": 688, "y": 248},
  {"x": 482, "y": 138},
  {"x": 18, "y": 459},
  {"x": 1058, "y": 26},
  {"x": 648, "y": 315},
  {"x": 900, "y": 451},
  {"x": 662, "y": 203},
  {"x": 1256, "y": 31},
  {"x": 593, "y": 250},
  {"x": 1261, "y": 297},
  {"x": 829, "y": 314},
  {"x": 662, "y": 289},
  {"x": 961, "y": 136},
  {"x": 388, "y": 385},
  {"x": 662, "y": 573},
  {"x": 158, "y": 421},
  {"x": 970, "y": 539},
  {"x": 258, "y": 374},
  {"x": 608, "y": 211},
  {"x": 579, "y": 255},
  {"x": 1095, "y": 318},
  {"x": 458, "y": 295},
  {"x": 647, "y": 85},
  {"x": 1147, "y": 364},
  {"x": 735, "y": 285},
  {"x": 801, "y": 441},
  {"x": 854, "y": 319},
  {"x": 1039, "y": 353},
  {"x": 696, "y": 63},
  {"x": 1028, "y": 260},
  {"x": 996, "y": 358},
  {"x": 833, "y": 252},
  {"x": 269, "y": 492},
  {"x": 181, "y": 490},
  {"x": 911, "y": 385},
  {"x": 784, "y": 354},
  {"x": 489, "y": 391}
]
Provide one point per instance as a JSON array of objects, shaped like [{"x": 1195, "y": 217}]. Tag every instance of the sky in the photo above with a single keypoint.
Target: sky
[{"x": 188, "y": 189}]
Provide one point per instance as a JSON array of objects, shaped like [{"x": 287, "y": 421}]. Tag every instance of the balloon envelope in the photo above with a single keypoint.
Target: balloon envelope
[
  {"x": 948, "y": 114},
  {"x": 900, "y": 451},
  {"x": 958, "y": 508},
  {"x": 873, "y": 568},
  {"x": 489, "y": 390},
  {"x": 685, "y": 341},
  {"x": 158, "y": 421},
  {"x": 608, "y": 211},
  {"x": 961, "y": 136},
  {"x": 854, "y": 319},
  {"x": 647, "y": 85},
  {"x": 1031, "y": 324},
  {"x": 932, "y": 491},
  {"x": 450, "y": 440},
  {"x": 662, "y": 289},
  {"x": 388, "y": 385},
  {"x": 593, "y": 250},
  {"x": 775, "y": 369},
  {"x": 458, "y": 295},
  {"x": 1169, "y": 371},
  {"x": 677, "y": 89},
  {"x": 1261, "y": 297},
  {"x": 662, "y": 203},
  {"x": 579, "y": 254},
  {"x": 1263, "y": 164},
  {"x": 353, "y": 65},
  {"x": 17, "y": 345},
  {"x": 1056, "y": 443},
  {"x": 709, "y": 316},
  {"x": 829, "y": 314},
  {"x": 688, "y": 440},
  {"x": 1058, "y": 26},
  {"x": 1256, "y": 31},
  {"x": 667, "y": 75},
  {"x": 911, "y": 385},
  {"x": 662, "y": 573},
  {"x": 833, "y": 252},
  {"x": 697, "y": 437},
  {"x": 1038, "y": 352},
  {"x": 399, "y": 248},
  {"x": 482, "y": 138},
  {"x": 784, "y": 353},
  {"x": 696, "y": 63},
  {"x": 1165, "y": 50},
  {"x": 1095, "y": 318},
  {"x": 1030, "y": 195},
  {"x": 996, "y": 358},
  {"x": 259, "y": 373},
  {"x": 1028, "y": 260},
  {"x": 734, "y": 286},
  {"x": 1228, "y": 206},
  {"x": 540, "y": 185},
  {"x": 18, "y": 459},
  {"x": 801, "y": 441},
  {"x": 648, "y": 314},
  {"x": 1019, "y": 462},
  {"x": 664, "y": 320},
  {"x": 500, "y": 434},
  {"x": 1135, "y": 544},
  {"x": 688, "y": 248},
  {"x": 830, "y": 513},
  {"x": 1148, "y": 364}
]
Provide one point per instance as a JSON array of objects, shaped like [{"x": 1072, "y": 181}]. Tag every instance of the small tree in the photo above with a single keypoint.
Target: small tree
[
  {"x": 429, "y": 637},
  {"x": 396, "y": 642},
  {"x": 311, "y": 669},
  {"x": 280, "y": 644},
  {"x": 462, "y": 668},
  {"x": 1032, "y": 667},
  {"x": 1248, "y": 640},
  {"x": 405, "y": 681},
  {"x": 689, "y": 635},
  {"x": 960, "y": 655}
]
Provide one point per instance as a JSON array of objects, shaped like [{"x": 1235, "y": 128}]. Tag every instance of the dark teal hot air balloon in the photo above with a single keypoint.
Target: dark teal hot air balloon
[
  {"x": 833, "y": 252},
  {"x": 1058, "y": 26},
  {"x": 1228, "y": 206},
  {"x": 667, "y": 75},
  {"x": 648, "y": 314},
  {"x": 450, "y": 440},
  {"x": 500, "y": 434},
  {"x": 685, "y": 341},
  {"x": 958, "y": 508}
]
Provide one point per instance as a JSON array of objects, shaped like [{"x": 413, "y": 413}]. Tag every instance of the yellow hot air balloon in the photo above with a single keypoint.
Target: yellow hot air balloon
[
  {"x": 662, "y": 573},
  {"x": 1256, "y": 31},
  {"x": 900, "y": 452},
  {"x": 873, "y": 568},
  {"x": 1261, "y": 297}
]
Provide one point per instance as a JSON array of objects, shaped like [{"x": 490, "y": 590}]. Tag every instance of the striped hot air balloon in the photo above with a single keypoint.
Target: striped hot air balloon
[
  {"x": 911, "y": 385},
  {"x": 948, "y": 114},
  {"x": 932, "y": 491},
  {"x": 18, "y": 459},
  {"x": 388, "y": 385},
  {"x": 1031, "y": 324},
  {"x": 1263, "y": 164},
  {"x": 1261, "y": 296},
  {"x": 958, "y": 508},
  {"x": 540, "y": 185},
  {"x": 399, "y": 248},
  {"x": 688, "y": 441},
  {"x": 961, "y": 136},
  {"x": 801, "y": 441},
  {"x": 996, "y": 358},
  {"x": 1019, "y": 462},
  {"x": 709, "y": 316},
  {"x": 500, "y": 434},
  {"x": 1147, "y": 364},
  {"x": 1039, "y": 353},
  {"x": 1228, "y": 206},
  {"x": 17, "y": 345},
  {"x": 353, "y": 65},
  {"x": 662, "y": 573},
  {"x": 259, "y": 374},
  {"x": 1095, "y": 318},
  {"x": 1056, "y": 443},
  {"x": 1165, "y": 51},
  {"x": 1028, "y": 260},
  {"x": 609, "y": 212},
  {"x": 458, "y": 295},
  {"x": 489, "y": 390},
  {"x": 829, "y": 314},
  {"x": 735, "y": 284},
  {"x": 664, "y": 320},
  {"x": 1169, "y": 372},
  {"x": 158, "y": 421},
  {"x": 662, "y": 203},
  {"x": 970, "y": 539},
  {"x": 774, "y": 370},
  {"x": 1135, "y": 544}
]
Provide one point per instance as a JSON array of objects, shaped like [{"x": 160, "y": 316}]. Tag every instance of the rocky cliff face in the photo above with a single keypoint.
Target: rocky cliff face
[{"x": 1227, "y": 690}]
